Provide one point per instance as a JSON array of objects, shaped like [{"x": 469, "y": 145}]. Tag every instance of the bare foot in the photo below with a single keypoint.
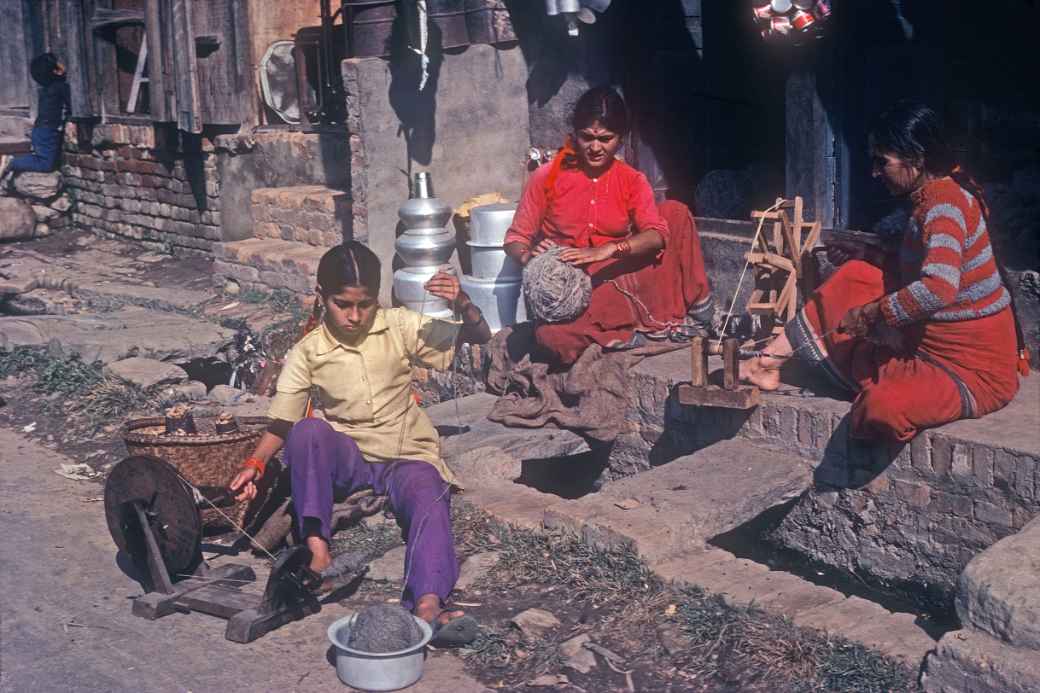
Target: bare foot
[
  {"x": 762, "y": 372},
  {"x": 320, "y": 556},
  {"x": 428, "y": 608}
]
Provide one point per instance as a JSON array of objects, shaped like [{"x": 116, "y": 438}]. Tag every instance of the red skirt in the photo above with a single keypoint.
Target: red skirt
[
  {"x": 945, "y": 372},
  {"x": 638, "y": 294}
]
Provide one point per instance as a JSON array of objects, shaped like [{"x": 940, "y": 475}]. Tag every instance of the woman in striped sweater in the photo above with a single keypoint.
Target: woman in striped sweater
[{"x": 925, "y": 336}]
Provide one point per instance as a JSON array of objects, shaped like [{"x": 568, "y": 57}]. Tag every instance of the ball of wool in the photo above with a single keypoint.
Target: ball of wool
[
  {"x": 555, "y": 290},
  {"x": 383, "y": 628}
]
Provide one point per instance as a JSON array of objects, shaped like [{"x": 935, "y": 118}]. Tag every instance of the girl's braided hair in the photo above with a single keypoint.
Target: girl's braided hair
[{"x": 349, "y": 264}]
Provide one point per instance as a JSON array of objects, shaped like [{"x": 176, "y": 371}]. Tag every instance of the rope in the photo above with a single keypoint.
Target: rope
[{"x": 747, "y": 263}]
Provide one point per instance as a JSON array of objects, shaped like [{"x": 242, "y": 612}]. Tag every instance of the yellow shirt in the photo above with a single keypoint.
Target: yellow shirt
[{"x": 364, "y": 389}]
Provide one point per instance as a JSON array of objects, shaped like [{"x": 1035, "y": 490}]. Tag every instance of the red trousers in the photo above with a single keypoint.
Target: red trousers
[
  {"x": 946, "y": 370},
  {"x": 637, "y": 294}
]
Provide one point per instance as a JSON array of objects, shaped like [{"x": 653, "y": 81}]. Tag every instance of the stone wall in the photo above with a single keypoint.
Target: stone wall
[
  {"x": 916, "y": 514},
  {"x": 33, "y": 206},
  {"x": 128, "y": 185}
]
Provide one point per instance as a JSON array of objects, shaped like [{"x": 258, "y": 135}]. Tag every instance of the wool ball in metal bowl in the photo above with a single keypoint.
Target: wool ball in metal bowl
[{"x": 555, "y": 291}]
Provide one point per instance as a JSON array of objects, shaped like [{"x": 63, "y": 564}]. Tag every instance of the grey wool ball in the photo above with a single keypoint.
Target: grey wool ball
[
  {"x": 555, "y": 290},
  {"x": 383, "y": 628}
]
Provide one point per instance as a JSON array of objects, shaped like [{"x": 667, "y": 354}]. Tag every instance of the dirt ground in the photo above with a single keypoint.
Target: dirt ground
[{"x": 66, "y": 621}]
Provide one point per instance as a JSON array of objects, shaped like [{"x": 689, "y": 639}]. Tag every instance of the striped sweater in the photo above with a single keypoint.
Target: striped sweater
[{"x": 946, "y": 261}]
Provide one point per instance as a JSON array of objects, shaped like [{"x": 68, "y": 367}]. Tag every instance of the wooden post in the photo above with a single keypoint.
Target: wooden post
[
  {"x": 730, "y": 363},
  {"x": 698, "y": 361}
]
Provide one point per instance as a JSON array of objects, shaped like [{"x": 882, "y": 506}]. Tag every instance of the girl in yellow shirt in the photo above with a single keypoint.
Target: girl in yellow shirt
[{"x": 367, "y": 430}]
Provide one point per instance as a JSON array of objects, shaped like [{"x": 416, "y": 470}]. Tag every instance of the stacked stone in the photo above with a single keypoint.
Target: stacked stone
[
  {"x": 127, "y": 186},
  {"x": 34, "y": 205},
  {"x": 997, "y": 650},
  {"x": 311, "y": 214},
  {"x": 293, "y": 227}
]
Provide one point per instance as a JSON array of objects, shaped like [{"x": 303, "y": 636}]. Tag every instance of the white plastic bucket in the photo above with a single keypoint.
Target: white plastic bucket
[{"x": 377, "y": 671}]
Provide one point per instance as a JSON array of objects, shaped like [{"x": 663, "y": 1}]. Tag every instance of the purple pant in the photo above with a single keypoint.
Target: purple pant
[{"x": 322, "y": 461}]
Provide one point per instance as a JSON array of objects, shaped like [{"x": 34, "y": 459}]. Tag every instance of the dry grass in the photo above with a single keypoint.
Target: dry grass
[{"x": 611, "y": 595}]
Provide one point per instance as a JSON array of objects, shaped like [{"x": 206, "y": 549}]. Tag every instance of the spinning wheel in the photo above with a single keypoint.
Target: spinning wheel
[
  {"x": 780, "y": 260},
  {"x": 154, "y": 516},
  {"x": 147, "y": 492}
]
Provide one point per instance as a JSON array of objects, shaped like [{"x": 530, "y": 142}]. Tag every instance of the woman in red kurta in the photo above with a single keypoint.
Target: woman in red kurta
[
  {"x": 645, "y": 259},
  {"x": 927, "y": 337}
]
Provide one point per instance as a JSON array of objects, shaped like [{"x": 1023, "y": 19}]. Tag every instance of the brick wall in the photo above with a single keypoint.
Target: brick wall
[{"x": 128, "y": 186}]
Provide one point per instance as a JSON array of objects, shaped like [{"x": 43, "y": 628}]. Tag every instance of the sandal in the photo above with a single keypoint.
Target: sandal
[{"x": 458, "y": 632}]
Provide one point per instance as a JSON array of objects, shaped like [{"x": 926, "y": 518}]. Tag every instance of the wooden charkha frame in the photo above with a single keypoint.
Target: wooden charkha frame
[{"x": 779, "y": 259}]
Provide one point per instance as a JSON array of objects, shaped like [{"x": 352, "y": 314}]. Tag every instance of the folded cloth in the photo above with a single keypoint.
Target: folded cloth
[{"x": 589, "y": 398}]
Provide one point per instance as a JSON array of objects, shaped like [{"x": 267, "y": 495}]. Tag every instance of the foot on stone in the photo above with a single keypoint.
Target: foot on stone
[
  {"x": 755, "y": 372},
  {"x": 451, "y": 628}
]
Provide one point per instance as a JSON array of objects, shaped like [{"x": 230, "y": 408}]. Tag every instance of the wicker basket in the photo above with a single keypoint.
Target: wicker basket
[{"x": 207, "y": 458}]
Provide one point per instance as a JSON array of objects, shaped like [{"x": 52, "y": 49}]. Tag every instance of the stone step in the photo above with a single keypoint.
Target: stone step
[
  {"x": 916, "y": 513},
  {"x": 971, "y": 661},
  {"x": 672, "y": 511},
  {"x": 311, "y": 214},
  {"x": 266, "y": 264},
  {"x": 742, "y": 583},
  {"x": 130, "y": 331},
  {"x": 677, "y": 507}
]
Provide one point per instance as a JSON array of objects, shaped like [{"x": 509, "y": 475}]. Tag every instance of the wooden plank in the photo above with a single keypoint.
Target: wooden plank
[
  {"x": 242, "y": 63},
  {"x": 15, "y": 88},
  {"x": 793, "y": 246},
  {"x": 788, "y": 299},
  {"x": 77, "y": 71},
  {"x": 139, "y": 78},
  {"x": 159, "y": 97},
  {"x": 220, "y": 91},
  {"x": 743, "y": 397},
  {"x": 189, "y": 110},
  {"x": 248, "y": 625}
]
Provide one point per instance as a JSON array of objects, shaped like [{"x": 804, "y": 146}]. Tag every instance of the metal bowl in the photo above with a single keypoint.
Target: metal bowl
[
  {"x": 377, "y": 671},
  {"x": 430, "y": 211},
  {"x": 425, "y": 246},
  {"x": 488, "y": 224}
]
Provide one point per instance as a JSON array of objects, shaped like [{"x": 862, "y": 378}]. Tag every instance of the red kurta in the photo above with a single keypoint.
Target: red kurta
[{"x": 633, "y": 294}]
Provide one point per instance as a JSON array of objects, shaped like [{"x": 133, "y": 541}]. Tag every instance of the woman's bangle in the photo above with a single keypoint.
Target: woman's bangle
[
  {"x": 623, "y": 248},
  {"x": 257, "y": 464}
]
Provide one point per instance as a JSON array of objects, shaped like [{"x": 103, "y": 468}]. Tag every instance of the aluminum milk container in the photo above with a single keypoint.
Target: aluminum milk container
[{"x": 425, "y": 245}]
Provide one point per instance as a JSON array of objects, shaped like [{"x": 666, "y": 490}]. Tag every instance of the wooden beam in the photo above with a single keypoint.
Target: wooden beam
[
  {"x": 158, "y": 85},
  {"x": 698, "y": 361},
  {"x": 189, "y": 113},
  {"x": 743, "y": 397},
  {"x": 730, "y": 363}
]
